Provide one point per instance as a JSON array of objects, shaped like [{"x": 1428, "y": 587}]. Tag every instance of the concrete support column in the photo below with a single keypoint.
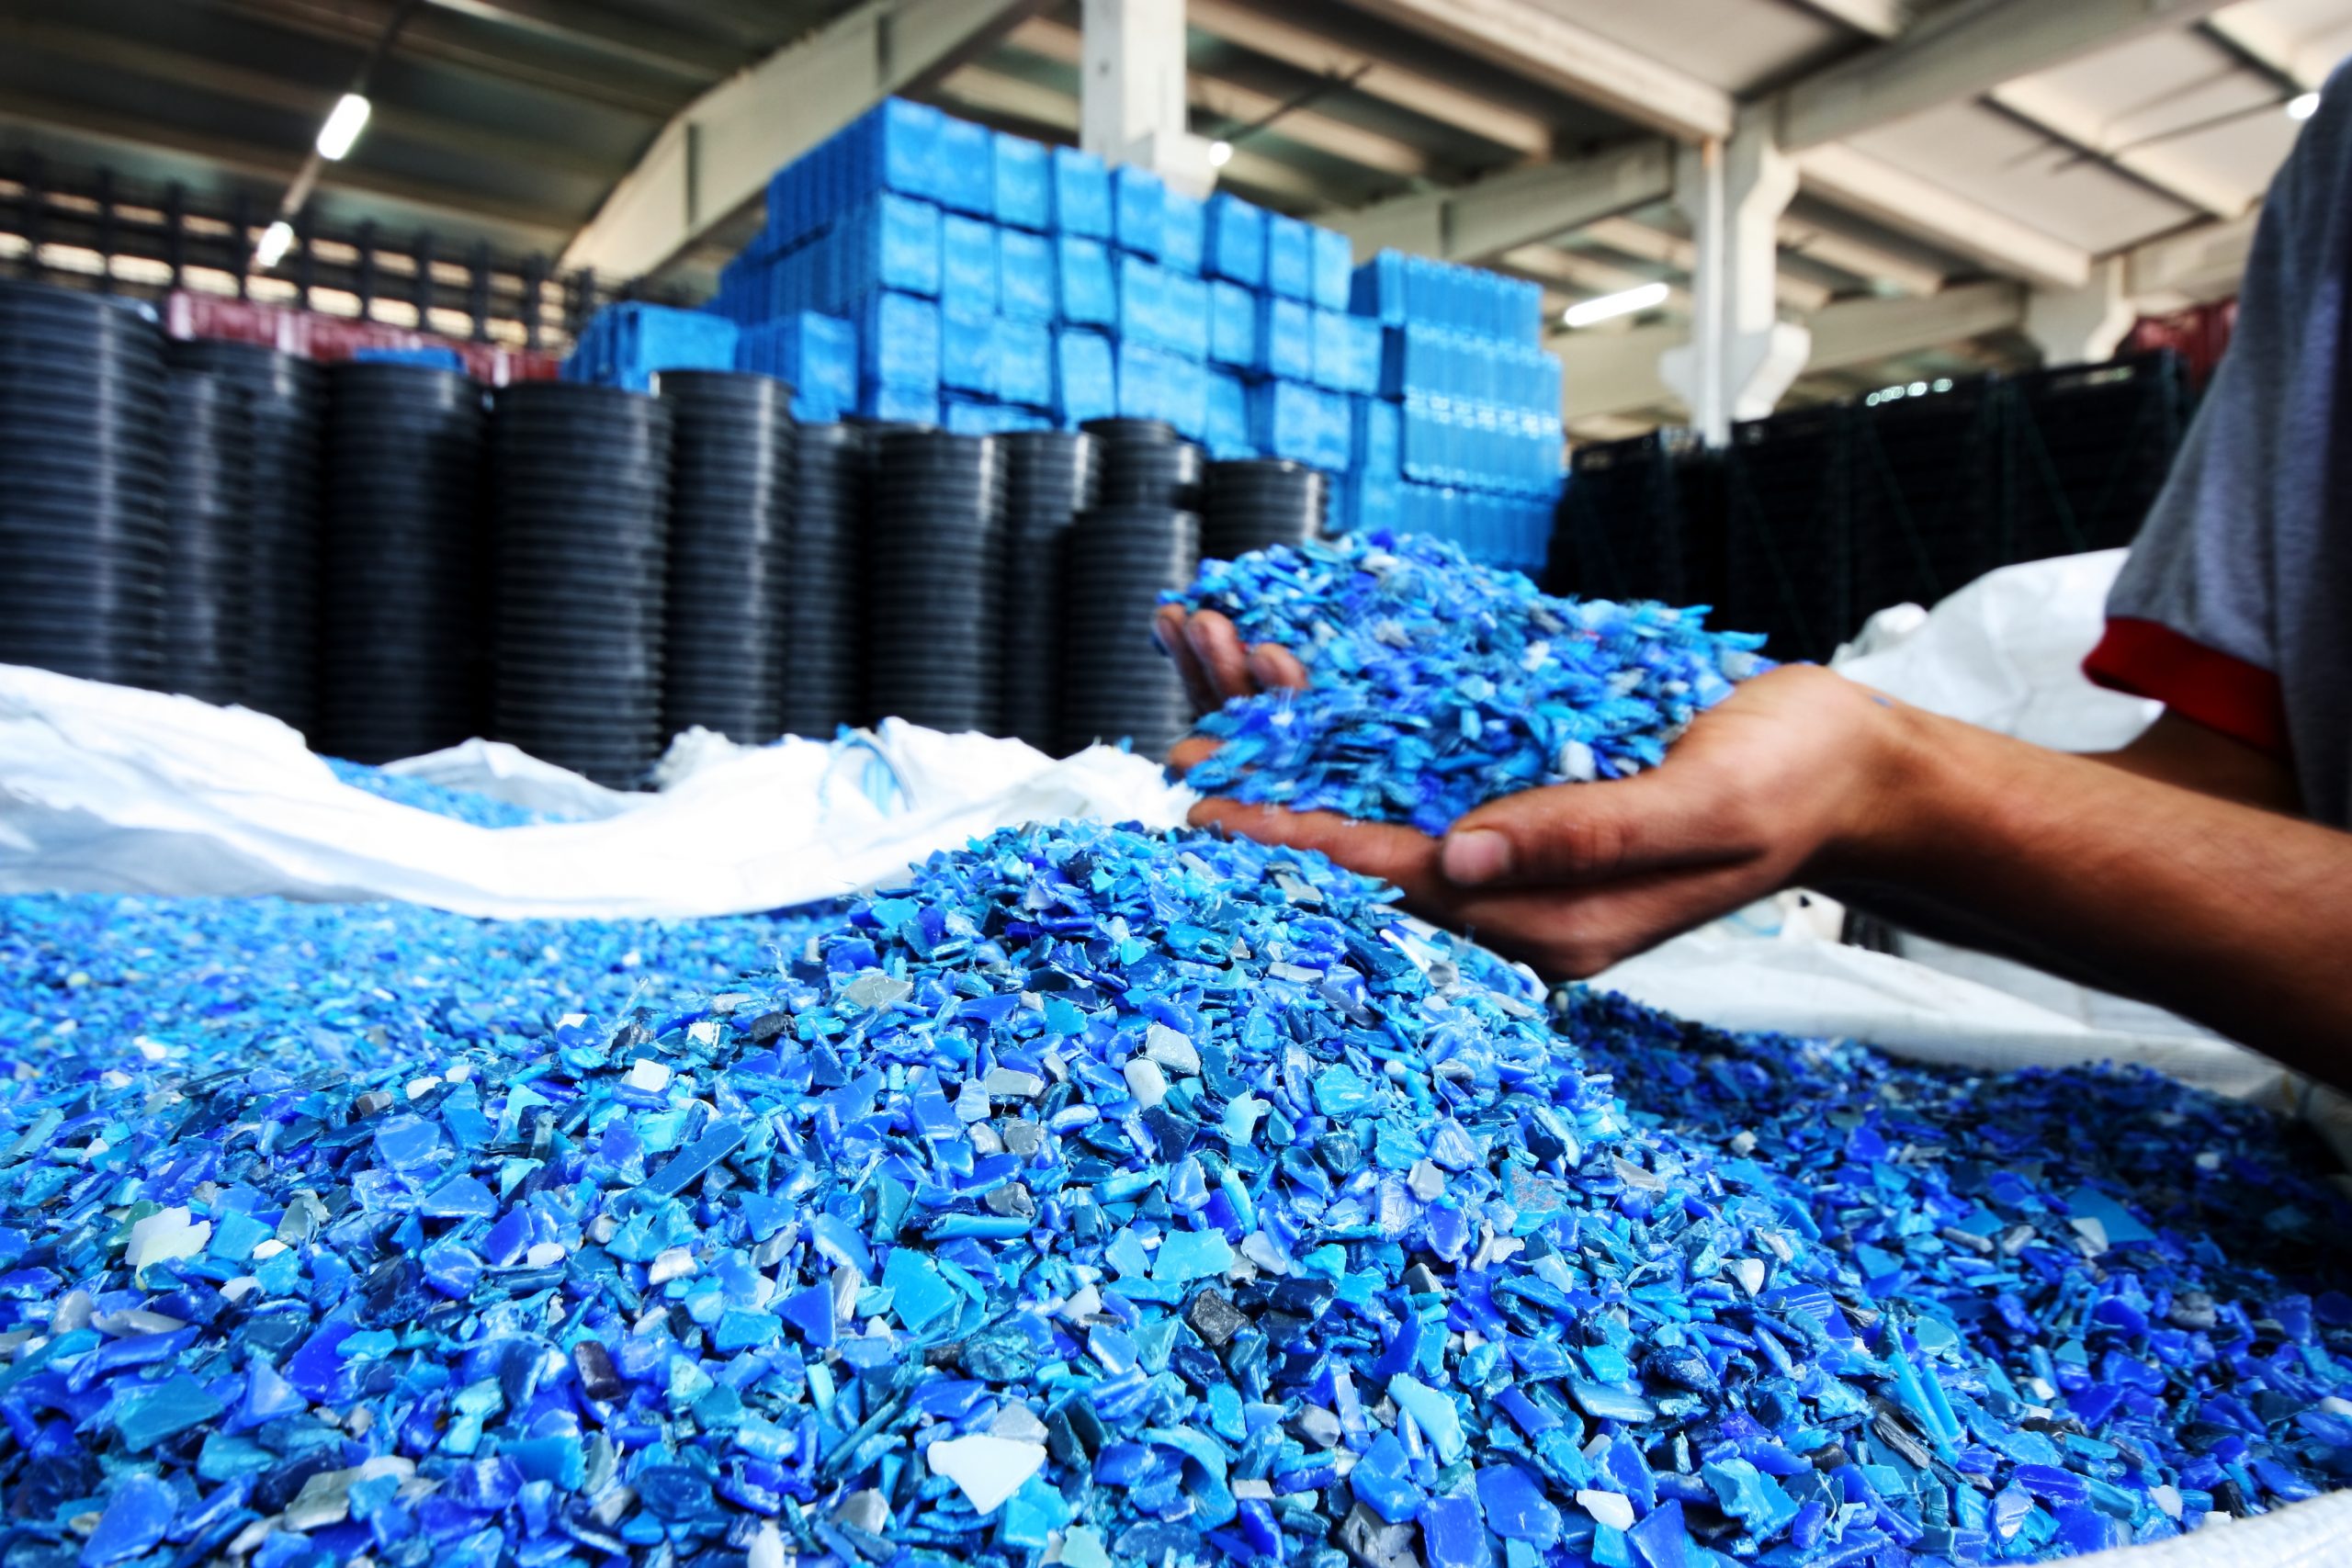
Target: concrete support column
[
  {"x": 2081, "y": 326},
  {"x": 1132, "y": 106},
  {"x": 1741, "y": 355}
]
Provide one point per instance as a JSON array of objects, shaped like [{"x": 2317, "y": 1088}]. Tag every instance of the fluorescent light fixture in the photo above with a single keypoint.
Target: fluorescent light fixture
[
  {"x": 274, "y": 242},
  {"x": 1649, "y": 296},
  {"x": 1944, "y": 384},
  {"x": 1918, "y": 389},
  {"x": 2303, "y": 107},
  {"x": 1220, "y": 155},
  {"x": 343, "y": 127}
]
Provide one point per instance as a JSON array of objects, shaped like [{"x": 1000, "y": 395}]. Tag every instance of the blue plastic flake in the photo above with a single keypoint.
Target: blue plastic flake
[
  {"x": 1136, "y": 1199},
  {"x": 1436, "y": 684},
  {"x": 469, "y": 807}
]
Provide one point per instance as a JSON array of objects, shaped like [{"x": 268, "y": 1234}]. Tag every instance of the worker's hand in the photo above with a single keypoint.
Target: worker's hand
[
  {"x": 1795, "y": 778},
  {"x": 1208, "y": 654}
]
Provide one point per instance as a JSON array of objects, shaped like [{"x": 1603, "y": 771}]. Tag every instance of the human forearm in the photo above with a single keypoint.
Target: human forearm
[{"x": 2234, "y": 915}]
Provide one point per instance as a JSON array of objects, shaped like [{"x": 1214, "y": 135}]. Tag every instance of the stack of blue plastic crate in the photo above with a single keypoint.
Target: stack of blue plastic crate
[
  {"x": 921, "y": 268},
  {"x": 626, "y": 344},
  {"x": 1464, "y": 440}
]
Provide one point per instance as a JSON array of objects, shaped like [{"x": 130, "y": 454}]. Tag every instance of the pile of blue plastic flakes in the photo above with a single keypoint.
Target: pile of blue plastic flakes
[
  {"x": 461, "y": 804},
  {"x": 1436, "y": 684},
  {"x": 1097, "y": 1197}
]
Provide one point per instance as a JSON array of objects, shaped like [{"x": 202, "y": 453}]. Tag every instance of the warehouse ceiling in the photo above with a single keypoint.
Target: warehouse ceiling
[{"x": 1979, "y": 161}]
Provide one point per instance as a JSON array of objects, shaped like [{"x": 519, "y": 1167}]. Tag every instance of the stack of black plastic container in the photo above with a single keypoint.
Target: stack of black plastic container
[
  {"x": 2089, "y": 447},
  {"x": 1049, "y": 479},
  {"x": 731, "y": 493},
  {"x": 580, "y": 502},
  {"x": 820, "y": 607},
  {"x": 208, "y": 500},
  {"x": 286, "y": 404},
  {"x": 1926, "y": 495},
  {"x": 1142, "y": 536},
  {"x": 935, "y": 633},
  {"x": 400, "y": 655},
  {"x": 1629, "y": 525},
  {"x": 1787, "y": 556},
  {"x": 1254, "y": 502},
  {"x": 83, "y": 542}
]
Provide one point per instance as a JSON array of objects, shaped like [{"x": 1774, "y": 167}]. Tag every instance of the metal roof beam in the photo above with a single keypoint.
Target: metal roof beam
[
  {"x": 717, "y": 155},
  {"x": 1521, "y": 206},
  {"x": 648, "y": 45},
  {"x": 2261, "y": 40},
  {"x": 1004, "y": 97},
  {"x": 1243, "y": 105},
  {"x": 1879, "y": 18},
  {"x": 1856, "y": 332},
  {"x": 1385, "y": 79},
  {"x": 1554, "y": 52},
  {"x": 2061, "y": 119},
  {"x": 429, "y": 203},
  {"x": 2179, "y": 270},
  {"x": 1805, "y": 237},
  {"x": 1961, "y": 53},
  {"x": 1668, "y": 250},
  {"x": 1906, "y": 202}
]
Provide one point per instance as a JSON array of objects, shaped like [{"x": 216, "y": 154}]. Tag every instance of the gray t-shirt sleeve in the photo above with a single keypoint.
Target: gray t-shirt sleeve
[{"x": 2232, "y": 608}]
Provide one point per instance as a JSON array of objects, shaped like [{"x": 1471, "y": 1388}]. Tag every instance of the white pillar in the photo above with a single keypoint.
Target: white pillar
[
  {"x": 2081, "y": 326},
  {"x": 1131, "y": 101},
  {"x": 1741, "y": 355}
]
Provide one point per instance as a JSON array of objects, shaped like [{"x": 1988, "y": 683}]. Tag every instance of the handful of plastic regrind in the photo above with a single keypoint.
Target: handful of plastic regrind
[{"x": 1438, "y": 684}]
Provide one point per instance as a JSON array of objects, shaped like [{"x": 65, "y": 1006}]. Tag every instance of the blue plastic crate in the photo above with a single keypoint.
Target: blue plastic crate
[
  {"x": 1139, "y": 210},
  {"x": 1184, "y": 401},
  {"x": 1368, "y": 503},
  {"x": 1024, "y": 274},
  {"x": 1334, "y": 431},
  {"x": 1333, "y": 261},
  {"x": 899, "y": 342},
  {"x": 1285, "y": 339},
  {"x": 967, "y": 265},
  {"x": 1227, "y": 431},
  {"x": 625, "y": 345},
  {"x": 1186, "y": 301},
  {"x": 1378, "y": 288},
  {"x": 1025, "y": 362},
  {"x": 1333, "y": 349},
  {"x": 1286, "y": 420},
  {"x": 1085, "y": 290},
  {"x": 893, "y": 146},
  {"x": 1024, "y": 183},
  {"x": 1236, "y": 248},
  {"x": 431, "y": 358},
  {"x": 967, "y": 351},
  {"x": 966, "y": 179},
  {"x": 1233, "y": 325},
  {"x": 900, "y": 405},
  {"x": 1086, "y": 381},
  {"x": 1378, "y": 438},
  {"x": 1183, "y": 231},
  {"x": 1081, "y": 193},
  {"x": 816, "y": 353},
  {"x": 1290, "y": 257},
  {"x": 892, "y": 242},
  {"x": 1143, "y": 301}
]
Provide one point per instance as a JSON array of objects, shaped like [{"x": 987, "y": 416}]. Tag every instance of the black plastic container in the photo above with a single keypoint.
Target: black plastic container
[
  {"x": 84, "y": 465},
  {"x": 580, "y": 499}
]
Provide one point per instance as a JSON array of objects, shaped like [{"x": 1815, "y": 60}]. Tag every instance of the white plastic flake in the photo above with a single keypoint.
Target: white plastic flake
[{"x": 989, "y": 1469}]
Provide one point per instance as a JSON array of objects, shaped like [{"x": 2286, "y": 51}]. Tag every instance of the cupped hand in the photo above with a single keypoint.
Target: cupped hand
[
  {"x": 1208, "y": 653},
  {"x": 1793, "y": 778}
]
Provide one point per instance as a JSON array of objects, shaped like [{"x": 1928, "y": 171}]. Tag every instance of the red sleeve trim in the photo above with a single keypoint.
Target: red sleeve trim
[{"x": 2220, "y": 691}]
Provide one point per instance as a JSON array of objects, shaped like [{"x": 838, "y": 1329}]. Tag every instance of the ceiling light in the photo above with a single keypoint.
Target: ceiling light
[
  {"x": 1918, "y": 389},
  {"x": 2303, "y": 106},
  {"x": 343, "y": 127},
  {"x": 1220, "y": 155},
  {"x": 1647, "y": 296},
  {"x": 275, "y": 241}
]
